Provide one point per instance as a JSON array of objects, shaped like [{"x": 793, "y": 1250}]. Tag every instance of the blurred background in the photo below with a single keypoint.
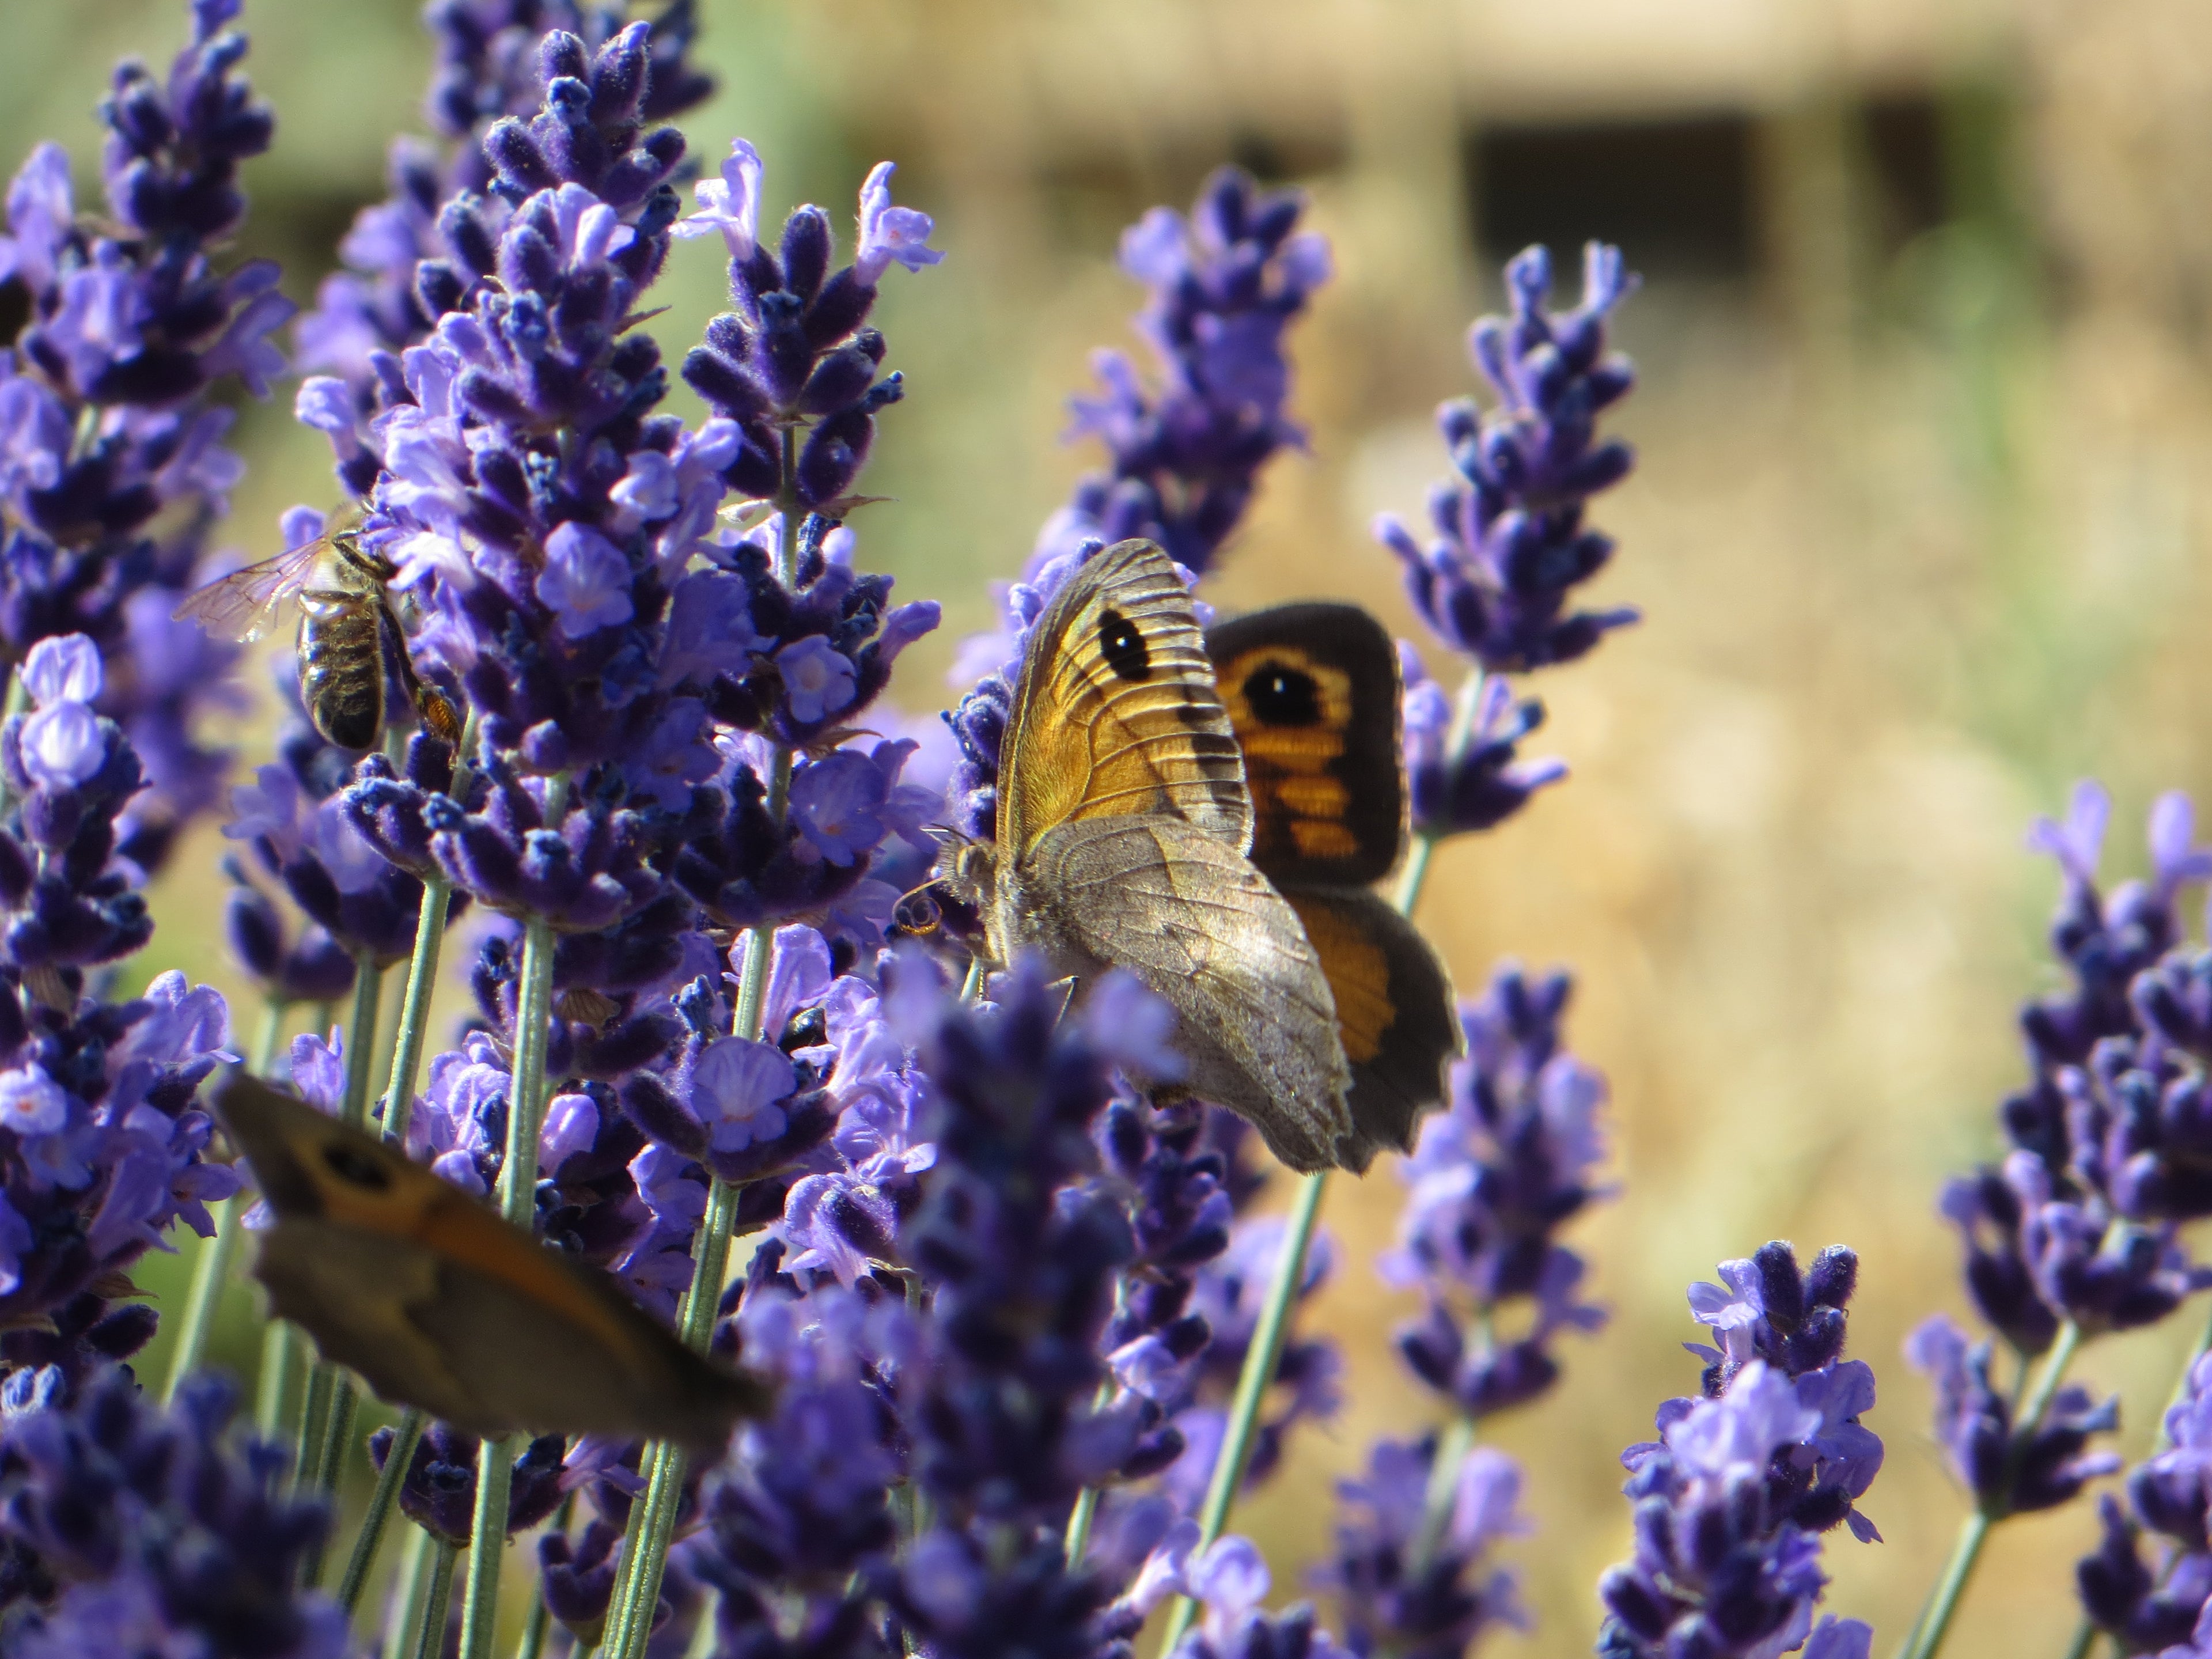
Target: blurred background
[{"x": 1921, "y": 423}]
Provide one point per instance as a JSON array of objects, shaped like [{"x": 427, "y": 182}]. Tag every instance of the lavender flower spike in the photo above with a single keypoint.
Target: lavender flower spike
[
  {"x": 1511, "y": 545},
  {"x": 1731, "y": 1499},
  {"x": 112, "y": 467}
]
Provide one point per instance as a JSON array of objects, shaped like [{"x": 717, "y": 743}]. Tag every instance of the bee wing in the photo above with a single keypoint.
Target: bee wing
[{"x": 240, "y": 606}]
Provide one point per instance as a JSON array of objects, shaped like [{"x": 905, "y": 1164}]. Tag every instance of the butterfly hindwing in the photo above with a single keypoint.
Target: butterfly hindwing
[
  {"x": 1203, "y": 929},
  {"x": 438, "y": 1301},
  {"x": 1393, "y": 1005},
  {"x": 1313, "y": 696},
  {"x": 1115, "y": 711}
]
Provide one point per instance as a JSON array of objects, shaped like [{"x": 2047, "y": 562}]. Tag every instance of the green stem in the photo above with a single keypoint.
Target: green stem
[
  {"x": 211, "y": 1269},
  {"x": 314, "y": 1412},
  {"x": 337, "y": 1430},
  {"x": 1935, "y": 1623},
  {"x": 1079, "y": 1526},
  {"x": 404, "y": 1439},
  {"x": 323, "y": 1439},
  {"x": 1266, "y": 1352},
  {"x": 408, "y": 1595},
  {"x": 637, "y": 1585},
  {"x": 430, "y": 1634},
  {"x": 280, "y": 1371},
  {"x": 518, "y": 1191},
  {"x": 422, "y": 967},
  {"x": 1261, "y": 1360},
  {"x": 1443, "y": 1492},
  {"x": 18, "y": 701},
  {"x": 540, "y": 1623}
]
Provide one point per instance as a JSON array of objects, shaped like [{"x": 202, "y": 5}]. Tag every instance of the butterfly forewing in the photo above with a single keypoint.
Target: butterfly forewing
[
  {"x": 1116, "y": 713},
  {"x": 1203, "y": 929},
  {"x": 441, "y": 1302},
  {"x": 1313, "y": 696}
]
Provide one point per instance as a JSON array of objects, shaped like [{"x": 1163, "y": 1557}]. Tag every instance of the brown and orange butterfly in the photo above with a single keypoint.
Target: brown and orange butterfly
[
  {"x": 1128, "y": 836},
  {"x": 438, "y": 1301}
]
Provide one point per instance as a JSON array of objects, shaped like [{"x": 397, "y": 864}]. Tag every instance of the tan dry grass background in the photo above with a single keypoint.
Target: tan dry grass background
[{"x": 1918, "y": 529}]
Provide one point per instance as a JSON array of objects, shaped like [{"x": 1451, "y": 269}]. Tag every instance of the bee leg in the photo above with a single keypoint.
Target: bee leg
[{"x": 439, "y": 716}]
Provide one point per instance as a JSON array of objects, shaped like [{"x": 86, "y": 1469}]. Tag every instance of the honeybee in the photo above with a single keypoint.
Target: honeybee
[{"x": 345, "y": 620}]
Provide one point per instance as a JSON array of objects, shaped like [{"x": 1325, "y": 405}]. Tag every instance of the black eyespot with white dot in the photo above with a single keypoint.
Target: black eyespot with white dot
[
  {"x": 1123, "y": 646},
  {"x": 1280, "y": 695},
  {"x": 350, "y": 1167}
]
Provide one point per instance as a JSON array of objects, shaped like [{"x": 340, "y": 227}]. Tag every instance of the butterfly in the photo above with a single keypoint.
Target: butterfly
[
  {"x": 438, "y": 1301},
  {"x": 1128, "y": 836}
]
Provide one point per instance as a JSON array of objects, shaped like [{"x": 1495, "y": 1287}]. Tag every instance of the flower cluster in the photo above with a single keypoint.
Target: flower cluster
[
  {"x": 111, "y": 466},
  {"x": 410, "y": 258},
  {"x": 124, "y": 1529},
  {"x": 101, "y": 1146},
  {"x": 1511, "y": 545},
  {"x": 1495, "y": 1175},
  {"x": 1225, "y": 284},
  {"x": 1401, "y": 1577},
  {"x": 1731, "y": 1499},
  {"x": 2080, "y": 1225},
  {"x": 2149, "y": 1609},
  {"x": 354, "y": 903}
]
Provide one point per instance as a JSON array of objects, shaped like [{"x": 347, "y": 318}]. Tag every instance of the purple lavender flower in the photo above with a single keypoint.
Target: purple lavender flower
[
  {"x": 419, "y": 253},
  {"x": 1224, "y": 286},
  {"x": 1230, "y": 1580},
  {"x": 2082, "y": 1219},
  {"x": 2149, "y": 1608},
  {"x": 2008, "y": 1473},
  {"x": 1722, "y": 1564},
  {"x": 104, "y": 404},
  {"x": 101, "y": 1146},
  {"x": 1510, "y": 1160},
  {"x": 1402, "y": 1593},
  {"x": 1223, "y": 283},
  {"x": 1511, "y": 544},
  {"x": 135, "y": 1530},
  {"x": 796, "y": 345},
  {"x": 1487, "y": 782}
]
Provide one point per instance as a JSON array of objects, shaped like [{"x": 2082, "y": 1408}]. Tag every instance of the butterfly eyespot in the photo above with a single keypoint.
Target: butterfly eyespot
[
  {"x": 1123, "y": 646},
  {"x": 350, "y": 1166},
  {"x": 1280, "y": 695}
]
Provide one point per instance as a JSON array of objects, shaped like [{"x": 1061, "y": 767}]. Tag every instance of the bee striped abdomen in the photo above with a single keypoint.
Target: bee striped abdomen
[{"x": 342, "y": 665}]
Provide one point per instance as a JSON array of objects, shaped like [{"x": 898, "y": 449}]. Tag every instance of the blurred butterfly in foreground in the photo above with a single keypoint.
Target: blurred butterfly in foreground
[
  {"x": 348, "y": 632},
  {"x": 1304, "y": 1003},
  {"x": 438, "y": 1301}
]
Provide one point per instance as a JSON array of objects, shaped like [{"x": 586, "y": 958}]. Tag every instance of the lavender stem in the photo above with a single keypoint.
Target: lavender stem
[
  {"x": 388, "y": 1480},
  {"x": 1928, "y": 1639},
  {"x": 518, "y": 1195},
  {"x": 1266, "y": 1353},
  {"x": 212, "y": 1270},
  {"x": 412, "y": 1591},
  {"x": 637, "y": 1587},
  {"x": 423, "y": 966}
]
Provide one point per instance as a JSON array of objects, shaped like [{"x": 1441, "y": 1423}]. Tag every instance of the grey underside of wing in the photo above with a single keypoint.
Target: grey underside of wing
[
  {"x": 1201, "y": 927},
  {"x": 471, "y": 1349},
  {"x": 315, "y": 1272}
]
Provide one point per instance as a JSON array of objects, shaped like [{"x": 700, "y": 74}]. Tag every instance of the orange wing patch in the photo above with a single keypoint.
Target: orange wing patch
[
  {"x": 1312, "y": 694},
  {"x": 1358, "y": 972}
]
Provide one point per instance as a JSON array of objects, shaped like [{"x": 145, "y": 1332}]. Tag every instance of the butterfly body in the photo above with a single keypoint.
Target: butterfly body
[{"x": 438, "y": 1301}]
